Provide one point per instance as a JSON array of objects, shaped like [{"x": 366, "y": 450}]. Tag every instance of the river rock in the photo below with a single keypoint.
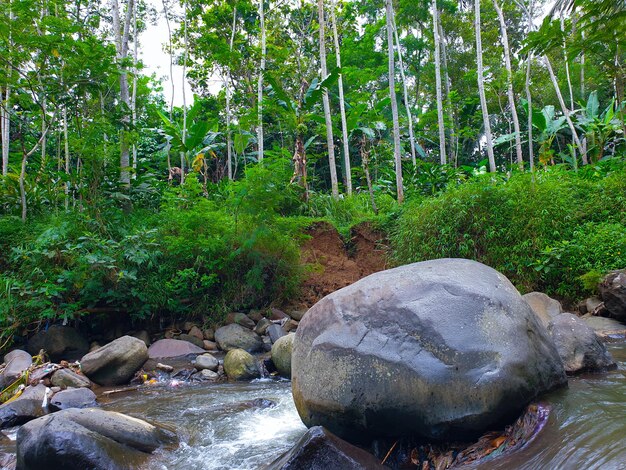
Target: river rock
[
  {"x": 579, "y": 347},
  {"x": 442, "y": 349},
  {"x": 235, "y": 336},
  {"x": 545, "y": 307},
  {"x": 209, "y": 334},
  {"x": 240, "y": 365},
  {"x": 209, "y": 345},
  {"x": 281, "y": 354},
  {"x": 73, "y": 398},
  {"x": 17, "y": 361},
  {"x": 116, "y": 362},
  {"x": 262, "y": 326},
  {"x": 144, "y": 336},
  {"x": 65, "y": 378},
  {"x": 196, "y": 332},
  {"x": 191, "y": 339},
  {"x": 613, "y": 293},
  {"x": 26, "y": 407},
  {"x": 206, "y": 361},
  {"x": 606, "y": 328},
  {"x": 297, "y": 315},
  {"x": 275, "y": 331},
  {"x": 60, "y": 343},
  {"x": 276, "y": 314},
  {"x": 164, "y": 348},
  {"x": 240, "y": 319},
  {"x": 90, "y": 438},
  {"x": 319, "y": 449},
  {"x": 206, "y": 374}
]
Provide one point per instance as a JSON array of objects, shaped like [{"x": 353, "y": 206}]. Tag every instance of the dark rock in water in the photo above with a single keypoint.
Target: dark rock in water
[
  {"x": 73, "y": 398},
  {"x": 116, "y": 362},
  {"x": 319, "y": 449},
  {"x": 613, "y": 293},
  {"x": 240, "y": 365},
  {"x": 275, "y": 331},
  {"x": 88, "y": 439},
  {"x": 440, "y": 349},
  {"x": 192, "y": 339},
  {"x": 235, "y": 336},
  {"x": 579, "y": 347},
  {"x": 17, "y": 361},
  {"x": 26, "y": 407},
  {"x": 60, "y": 343},
  {"x": 68, "y": 378},
  {"x": 172, "y": 348}
]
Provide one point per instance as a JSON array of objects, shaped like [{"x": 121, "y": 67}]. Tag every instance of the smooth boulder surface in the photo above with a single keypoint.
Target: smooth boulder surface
[
  {"x": 240, "y": 365},
  {"x": 73, "y": 398},
  {"x": 235, "y": 336},
  {"x": 441, "y": 349},
  {"x": 206, "y": 361},
  {"x": 60, "y": 343},
  {"x": 116, "y": 362},
  {"x": 26, "y": 407},
  {"x": 172, "y": 348},
  {"x": 613, "y": 293},
  {"x": 91, "y": 438},
  {"x": 319, "y": 449},
  {"x": 17, "y": 361},
  {"x": 281, "y": 354},
  {"x": 579, "y": 347},
  {"x": 68, "y": 378},
  {"x": 546, "y": 308}
]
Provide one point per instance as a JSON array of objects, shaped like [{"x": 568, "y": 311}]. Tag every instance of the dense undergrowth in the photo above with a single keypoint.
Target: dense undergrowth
[{"x": 193, "y": 255}]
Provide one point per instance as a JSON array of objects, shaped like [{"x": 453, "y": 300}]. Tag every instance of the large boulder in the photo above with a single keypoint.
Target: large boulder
[
  {"x": 579, "y": 347},
  {"x": 73, "y": 398},
  {"x": 116, "y": 362},
  {"x": 68, "y": 378},
  {"x": 442, "y": 349},
  {"x": 319, "y": 449},
  {"x": 281, "y": 354},
  {"x": 546, "y": 308},
  {"x": 172, "y": 348},
  {"x": 240, "y": 365},
  {"x": 28, "y": 406},
  {"x": 235, "y": 336},
  {"x": 17, "y": 361},
  {"x": 76, "y": 439},
  {"x": 613, "y": 293},
  {"x": 60, "y": 343}
]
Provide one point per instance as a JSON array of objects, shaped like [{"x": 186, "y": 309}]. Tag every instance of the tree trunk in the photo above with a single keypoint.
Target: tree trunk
[
  {"x": 442, "y": 130},
  {"x": 329, "y": 123},
  {"x": 134, "y": 94},
  {"x": 453, "y": 145},
  {"x": 394, "y": 104},
  {"x": 481, "y": 87},
  {"x": 229, "y": 137},
  {"x": 183, "y": 155},
  {"x": 406, "y": 94},
  {"x": 567, "y": 74},
  {"x": 365, "y": 158},
  {"x": 5, "y": 123},
  {"x": 509, "y": 75},
  {"x": 66, "y": 144},
  {"x": 342, "y": 106},
  {"x": 260, "y": 84},
  {"x": 529, "y": 99}
]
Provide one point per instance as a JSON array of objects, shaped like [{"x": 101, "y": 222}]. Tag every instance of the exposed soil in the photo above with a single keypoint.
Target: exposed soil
[{"x": 336, "y": 263}]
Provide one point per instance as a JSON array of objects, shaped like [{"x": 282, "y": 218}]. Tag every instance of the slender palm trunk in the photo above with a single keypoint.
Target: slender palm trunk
[
  {"x": 229, "y": 136},
  {"x": 342, "y": 106},
  {"x": 407, "y": 106},
  {"x": 329, "y": 123},
  {"x": 66, "y": 147},
  {"x": 5, "y": 125},
  {"x": 529, "y": 99},
  {"x": 183, "y": 155},
  {"x": 133, "y": 98},
  {"x": 567, "y": 72},
  {"x": 442, "y": 130},
  {"x": 453, "y": 140},
  {"x": 260, "y": 84},
  {"x": 394, "y": 103},
  {"x": 481, "y": 88},
  {"x": 509, "y": 75}
]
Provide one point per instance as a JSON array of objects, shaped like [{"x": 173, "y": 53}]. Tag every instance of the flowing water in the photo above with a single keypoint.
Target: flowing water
[{"x": 220, "y": 429}]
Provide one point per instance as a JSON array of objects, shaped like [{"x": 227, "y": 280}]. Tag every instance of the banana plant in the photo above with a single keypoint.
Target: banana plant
[{"x": 600, "y": 128}]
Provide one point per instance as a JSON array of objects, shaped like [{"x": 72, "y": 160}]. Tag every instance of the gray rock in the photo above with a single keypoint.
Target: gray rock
[
  {"x": 277, "y": 315},
  {"x": 235, "y": 336},
  {"x": 68, "y": 378},
  {"x": 240, "y": 365},
  {"x": 240, "y": 319},
  {"x": 196, "y": 332},
  {"x": 192, "y": 339},
  {"x": 172, "y": 348},
  {"x": 116, "y": 362},
  {"x": 73, "y": 398},
  {"x": 144, "y": 336},
  {"x": 613, "y": 293},
  {"x": 262, "y": 326},
  {"x": 206, "y": 361},
  {"x": 206, "y": 374},
  {"x": 209, "y": 334},
  {"x": 17, "y": 361},
  {"x": 545, "y": 307},
  {"x": 297, "y": 314},
  {"x": 290, "y": 325},
  {"x": 275, "y": 331},
  {"x": 209, "y": 345},
  {"x": 606, "y": 328},
  {"x": 76, "y": 439},
  {"x": 592, "y": 303},
  {"x": 443, "y": 349},
  {"x": 281, "y": 354},
  {"x": 579, "y": 347},
  {"x": 319, "y": 449},
  {"x": 60, "y": 343},
  {"x": 26, "y": 407}
]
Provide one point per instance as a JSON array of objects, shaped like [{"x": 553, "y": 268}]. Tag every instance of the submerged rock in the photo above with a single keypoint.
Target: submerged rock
[
  {"x": 60, "y": 343},
  {"x": 240, "y": 365},
  {"x": 235, "y": 336},
  {"x": 281, "y": 354},
  {"x": 579, "y": 347},
  {"x": 116, "y": 362},
  {"x": 440, "y": 349},
  {"x": 91, "y": 438},
  {"x": 319, "y": 449}
]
